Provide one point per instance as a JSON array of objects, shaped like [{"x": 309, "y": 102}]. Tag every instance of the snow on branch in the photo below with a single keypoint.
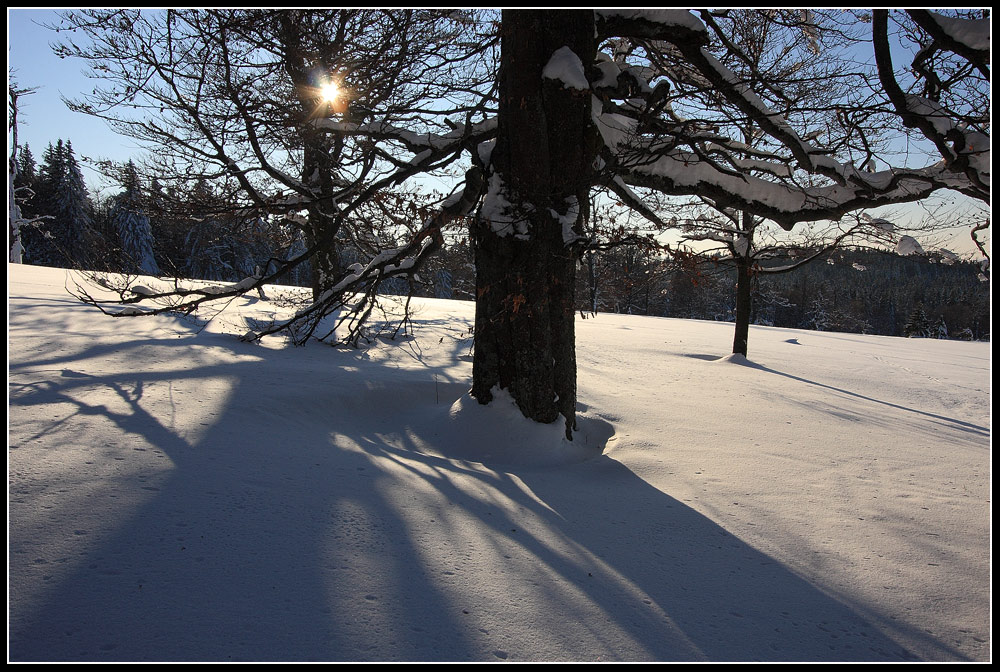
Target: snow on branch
[
  {"x": 423, "y": 145},
  {"x": 969, "y": 38},
  {"x": 679, "y": 173},
  {"x": 965, "y": 151},
  {"x": 363, "y": 279},
  {"x": 908, "y": 246},
  {"x": 649, "y": 23},
  {"x": 355, "y": 291},
  {"x": 969, "y": 158},
  {"x": 666, "y": 153},
  {"x": 689, "y": 36}
]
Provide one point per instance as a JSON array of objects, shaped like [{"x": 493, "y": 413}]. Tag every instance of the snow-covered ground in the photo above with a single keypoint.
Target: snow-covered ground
[{"x": 177, "y": 494}]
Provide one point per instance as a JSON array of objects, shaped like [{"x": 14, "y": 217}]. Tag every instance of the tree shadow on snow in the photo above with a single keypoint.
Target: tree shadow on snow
[
  {"x": 241, "y": 532},
  {"x": 739, "y": 360},
  {"x": 286, "y": 527},
  {"x": 660, "y": 580},
  {"x": 953, "y": 423}
]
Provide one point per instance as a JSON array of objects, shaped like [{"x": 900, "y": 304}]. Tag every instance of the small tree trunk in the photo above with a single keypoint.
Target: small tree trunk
[
  {"x": 525, "y": 258},
  {"x": 744, "y": 281},
  {"x": 592, "y": 282}
]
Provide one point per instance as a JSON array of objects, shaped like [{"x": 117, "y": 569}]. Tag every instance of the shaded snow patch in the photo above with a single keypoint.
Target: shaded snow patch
[{"x": 498, "y": 434}]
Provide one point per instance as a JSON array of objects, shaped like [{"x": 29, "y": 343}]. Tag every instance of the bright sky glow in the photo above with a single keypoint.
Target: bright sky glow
[{"x": 329, "y": 92}]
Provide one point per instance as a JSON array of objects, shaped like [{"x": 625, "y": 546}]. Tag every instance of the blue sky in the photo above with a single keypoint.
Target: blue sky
[{"x": 44, "y": 118}]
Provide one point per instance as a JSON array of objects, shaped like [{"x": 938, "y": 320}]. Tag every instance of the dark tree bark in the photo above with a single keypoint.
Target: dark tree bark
[
  {"x": 322, "y": 225},
  {"x": 745, "y": 280},
  {"x": 319, "y": 158},
  {"x": 744, "y": 303},
  {"x": 542, "y": 167}
]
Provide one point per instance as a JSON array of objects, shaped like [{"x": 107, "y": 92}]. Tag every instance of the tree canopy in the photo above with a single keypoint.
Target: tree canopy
[{"x": 536, "y": 111}]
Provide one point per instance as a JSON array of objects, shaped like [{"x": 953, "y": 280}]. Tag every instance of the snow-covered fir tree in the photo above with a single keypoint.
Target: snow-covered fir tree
[
  {"x": 40, "y": 241},
  {"x": 63, "y": 234},
  {"x": 918, "y": 325},
  {"x": 25, "y": 179},
  {"x": 74, "y": 207},
  {"x": 131, "y": 223},
  {"x": 941, "y": 329}
]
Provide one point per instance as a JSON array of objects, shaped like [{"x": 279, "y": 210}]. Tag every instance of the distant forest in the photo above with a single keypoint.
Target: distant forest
[
  {"x": 848, "y": 290},
  {"x": 155, "y": 230}
]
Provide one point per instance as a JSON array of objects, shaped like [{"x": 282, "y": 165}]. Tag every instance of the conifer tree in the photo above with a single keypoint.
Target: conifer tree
[
  {"x": 41, "y": 240},
  {"x": 131, "y": 223},
  {"x": 64, "y": 234},
  {"x": 917, "y": 326},
  {"x": 75, "y": 207},
  {"x": 941, "y": 329}
]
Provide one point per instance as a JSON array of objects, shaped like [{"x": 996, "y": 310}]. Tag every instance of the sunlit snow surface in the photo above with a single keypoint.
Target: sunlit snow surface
[{"x": 177, "y": 494}]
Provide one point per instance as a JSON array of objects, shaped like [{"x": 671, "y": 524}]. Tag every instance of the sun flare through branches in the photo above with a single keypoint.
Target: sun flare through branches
[
  {"x": 330, "y": 92},
  {"x": 332, "y": 97}
]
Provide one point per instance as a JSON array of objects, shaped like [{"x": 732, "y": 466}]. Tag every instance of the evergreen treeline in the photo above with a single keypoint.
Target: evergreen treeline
[
  {"x": 150, "y": 229},
  {"x": 142, "y": 229}
]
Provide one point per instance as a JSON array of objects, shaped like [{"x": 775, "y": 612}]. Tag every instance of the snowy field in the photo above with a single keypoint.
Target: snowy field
[{"x": 175, "y": 494}]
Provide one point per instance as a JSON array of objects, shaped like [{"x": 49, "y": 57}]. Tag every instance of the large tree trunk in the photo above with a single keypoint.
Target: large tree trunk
[
  {"x": 321, "y": 226},
  {"x": 525, "y": 256},
  {"x": 320, "y": 155}
]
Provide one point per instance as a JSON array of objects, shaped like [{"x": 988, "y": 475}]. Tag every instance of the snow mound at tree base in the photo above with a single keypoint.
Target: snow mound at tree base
[
  {"x": 497, "y": 434},
  {"x": 737, "y": 358}
]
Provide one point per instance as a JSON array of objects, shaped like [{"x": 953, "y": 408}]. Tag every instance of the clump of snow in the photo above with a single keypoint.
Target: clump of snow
[
  {"x": 609, "y": 71},
  {"x": 502, "y": 215},
  {"x": 741, "y": 243},
  {"x": 615, "y": 129},
  {"x": 485, "y": 151},
  {"x": 566, "y": 67},
  {"x": 884, "y": 225},
  {"x": 908, "y": 245},
  {"x": 129, "y": 311},
  {"x": 974, "y": 33},
  {"x": 948, "y": 257},
  {"x": 568, "y": 221},
  {"x": 737, "y": 358},
  {"x": 932, "y": 111},
  {"x": 663, "y": 17},
  {"x": 879, "y": 223}
]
